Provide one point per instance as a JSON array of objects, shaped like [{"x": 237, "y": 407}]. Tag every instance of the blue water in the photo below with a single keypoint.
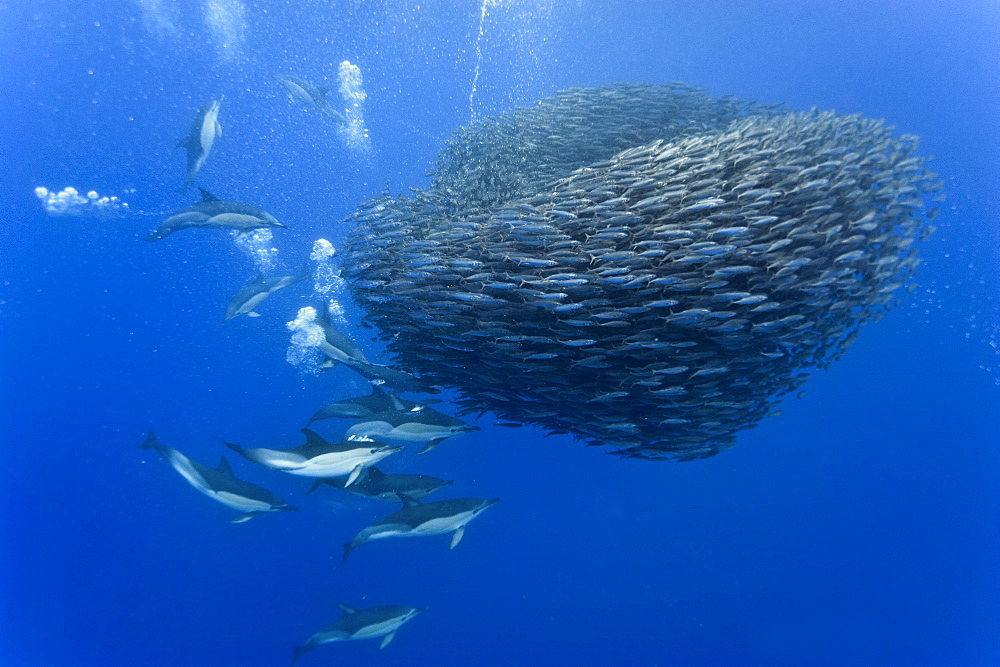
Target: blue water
[{"x": 861, "y": 526}]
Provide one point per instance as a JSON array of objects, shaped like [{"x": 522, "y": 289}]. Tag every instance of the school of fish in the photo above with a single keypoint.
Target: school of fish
[{"x": 641, "y": 266}]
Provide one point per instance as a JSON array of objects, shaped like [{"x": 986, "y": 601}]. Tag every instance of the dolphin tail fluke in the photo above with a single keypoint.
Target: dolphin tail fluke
[
  {"x": 236, "y": 447},
  {"x": 150, "y": 442}
]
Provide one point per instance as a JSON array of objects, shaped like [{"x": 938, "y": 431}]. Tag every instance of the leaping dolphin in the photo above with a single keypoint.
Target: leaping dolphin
[
  {"x": 219, "y": 483},
  {"x": 360, "y": 624},
  {"x": 314, "y": 96},
  {"x": 319, "y": 458},
  {"x": 214, "y": 213},
  {"x": 249, "y": 297},
  {"x": 198, "y": 142},
  {"x": 416, "y": 518},
  {"x": 374, "y": 483}
]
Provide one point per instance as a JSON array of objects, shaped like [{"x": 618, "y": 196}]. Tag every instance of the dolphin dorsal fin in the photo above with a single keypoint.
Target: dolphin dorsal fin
[
  {"x": 314, "y": 438},
  {"x": 347, "y": 609},
  {"x": 207, "y": 196},
  {"x": 223, "y": 466},
  {"x": 374, "y": 473},
  {"x": 408, "y": 501}
]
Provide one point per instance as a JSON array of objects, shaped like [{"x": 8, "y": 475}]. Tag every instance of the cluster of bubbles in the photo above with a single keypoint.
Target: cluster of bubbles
[
  {"x": 307, "y": 334},
  {"x": 327, "y": 282},
  {"x": 226, "y": 22},
  {"x": 641, "y": 266},
  {"x": 69, "y": 201},
  {"x": 258, "y": 245},
  {"x": 352, "y": 90}
]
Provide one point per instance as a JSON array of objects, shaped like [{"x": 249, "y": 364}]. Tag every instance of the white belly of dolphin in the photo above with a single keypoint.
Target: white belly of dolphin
[
  {"x": 239, "y": 502},
  {"x": 408, "y": 432},
  {"x": 445, "y": 524},
  {"x": 377, "y": 629}
]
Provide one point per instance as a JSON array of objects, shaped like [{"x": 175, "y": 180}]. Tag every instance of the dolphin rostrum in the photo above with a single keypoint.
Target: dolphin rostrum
[
  {"x": 416, "y": 518},
  {"x": 360, "y": 624},
  {"x": 314, "y": 96},
  {"x": 198, "y": 142},
  {"x": 319, "y": 458},
  {"x": 220, "y": 483},
  {"x": 214, "y": 213},
  {"x": 420, "y": 424},
  {"x": 374, "y": 483},
  {"x": 248, "y": 298}
]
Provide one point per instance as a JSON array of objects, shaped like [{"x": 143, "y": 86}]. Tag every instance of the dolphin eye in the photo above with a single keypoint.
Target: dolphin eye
[{"x": 373, "y": 451}]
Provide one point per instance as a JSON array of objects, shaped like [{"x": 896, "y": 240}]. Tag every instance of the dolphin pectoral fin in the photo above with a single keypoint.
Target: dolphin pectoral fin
[
  {"x": 431, "y": 444},
  {"x": 318, "y": 483},
  {"x": 245, "y": 517},
  {"x": 456, "y": 537},
  {"x": 347, "y": 609},
  {"x": 253, "y": 314},
  {"x": 348, "y": 548},
  {"x": 297, "y": 652},
  {"x": 218, "y": 129},
  {"x": 388, "y": 638},
  {"x": 354, "y": 475}
]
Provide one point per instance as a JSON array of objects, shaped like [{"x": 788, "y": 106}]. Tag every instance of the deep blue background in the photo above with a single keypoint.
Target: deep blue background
[{"x": 862, "y": 526}]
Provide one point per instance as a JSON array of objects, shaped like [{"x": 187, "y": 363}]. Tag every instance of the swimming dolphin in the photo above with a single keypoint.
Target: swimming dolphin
[
  {"x": 220, "y": 483},
  {"x": 314, "y": 96},
  {"x": 416, "y": 519},
  {"x": 214, "y": 213},
  {"x": 337, "y": 346},
  {"x": 366, "y": 406},
  {"x": 248, "y": 298},
  {"x": 198, "y": 142},
  {"x": 360, "y": 624},
  {"x": 374, "y": 483},
  {"x": 421, "y": 424},
  {"x": 387, "y": 376},
  {"x": 319, "y": 458}
]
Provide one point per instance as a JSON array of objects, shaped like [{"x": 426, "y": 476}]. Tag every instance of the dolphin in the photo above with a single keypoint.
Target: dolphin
[
  {"x": 376, "y": 484},
  {"x": 319, "y": 458},
  {"x": 198, "y": 142},
  {"x": 421, "y": 424},
  {"x": 416, "y": 518},
  {"x": 390, "y": 377},
  {"x": 366, "y": 406},
  {"x": 314, "y": 96},
  {"x": 360, "y": 624},
  {"x": 214, "y": 213},
  {"x": 220, "y": 483},
  {"x": 248, "y": 298},
  {"x": 337, "y": 346}
]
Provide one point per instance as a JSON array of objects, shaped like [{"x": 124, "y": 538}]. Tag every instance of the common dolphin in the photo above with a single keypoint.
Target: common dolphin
[
  {"x": 416, "y": 519},
  {"x": 249, "y": 297},
  {"x": 390, "y": 377},
  {"x": 374, "y": 483},
  {"x": 360, "y": 624},
  {"x": 366, "y": 406},
  {"x": 314, "y": 96},
  {"x": 337, "y": 346},
  {"x": 220, "y": 483},
  {"x": 421, "y": 424},
  {"x": 198, "y": 142},
  {"x": 319, "y": 458},
  {"x": 214, "y": 213}
]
